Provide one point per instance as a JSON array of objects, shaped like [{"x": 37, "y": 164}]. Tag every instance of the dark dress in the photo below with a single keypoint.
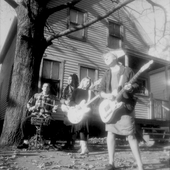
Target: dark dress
[
  {"x": 67, "y": 92},
  {"x": 77, "y": 96},
  {"x": 124, "y": 123}
]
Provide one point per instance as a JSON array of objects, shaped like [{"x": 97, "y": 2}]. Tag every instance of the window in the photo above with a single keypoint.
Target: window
[
  {"x": 92, "y": 73},
  {"x": 142, "y": 87},
  {"x": 51, "y": 72},
  {"x": 115, "y": 37},
  {"x": 84, "y": 72},
  {"x": 77, "y": 17}
]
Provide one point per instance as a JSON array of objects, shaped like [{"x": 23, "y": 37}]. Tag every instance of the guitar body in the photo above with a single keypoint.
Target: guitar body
[
  {"x": 108, "y": 110},
  {"x": 76, "y": 114}
]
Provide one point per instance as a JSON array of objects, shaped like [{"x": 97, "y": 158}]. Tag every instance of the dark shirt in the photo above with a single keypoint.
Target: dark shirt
[
  {"x": 127, "y": 97},
  {"x": 67, "y": 92}
]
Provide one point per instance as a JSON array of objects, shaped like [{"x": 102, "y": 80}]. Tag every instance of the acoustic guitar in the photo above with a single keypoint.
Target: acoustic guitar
[{"x": 108, "y": 109}]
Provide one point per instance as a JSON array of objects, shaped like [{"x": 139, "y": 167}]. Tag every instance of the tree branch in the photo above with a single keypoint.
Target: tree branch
[
  {"x": 79, "y": 27},
  {"x": 12, "y": 3},
  {"x": 164, "y": 10},
  {"x": 61, "y": 7}
]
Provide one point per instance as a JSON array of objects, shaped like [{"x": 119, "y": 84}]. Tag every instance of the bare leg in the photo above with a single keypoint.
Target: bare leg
[
  {"x": 111, "y": 146},
  {"x": 135, "y": 150}
]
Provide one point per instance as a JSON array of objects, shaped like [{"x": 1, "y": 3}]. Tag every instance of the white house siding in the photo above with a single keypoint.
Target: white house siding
[
  {"x": 76, "y": 52},
  {"x": 142, "y": 108},
  {"x": 89, "y": 53},
  {"x": 158, "y": 86}
]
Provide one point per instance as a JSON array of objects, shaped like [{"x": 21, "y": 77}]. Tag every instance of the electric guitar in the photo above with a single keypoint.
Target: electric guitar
[
  {"x": 76, "y": 114},
  {"x": 108, "y": 109}
]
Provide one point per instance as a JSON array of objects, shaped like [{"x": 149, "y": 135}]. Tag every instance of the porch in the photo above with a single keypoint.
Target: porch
[{"x": 150, "y": 108}]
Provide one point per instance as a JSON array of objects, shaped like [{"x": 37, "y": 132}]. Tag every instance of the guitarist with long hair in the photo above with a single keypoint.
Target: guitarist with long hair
[
  {"x": 80, "y": 96},
  {"x": 114, "y": 79}
]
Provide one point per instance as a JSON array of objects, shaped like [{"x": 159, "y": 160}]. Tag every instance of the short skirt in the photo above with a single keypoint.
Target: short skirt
[{"x": 125, "y": 125}]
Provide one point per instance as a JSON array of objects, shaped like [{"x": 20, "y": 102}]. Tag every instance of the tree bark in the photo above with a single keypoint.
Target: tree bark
[{"x": 30, "y": 47}]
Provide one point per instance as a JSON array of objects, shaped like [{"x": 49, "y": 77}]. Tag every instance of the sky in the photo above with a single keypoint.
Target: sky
[{"x": 145, "y": 18}]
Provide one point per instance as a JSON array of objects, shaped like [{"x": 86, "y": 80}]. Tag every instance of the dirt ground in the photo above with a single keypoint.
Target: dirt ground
[{"x": 154, "y": 156}]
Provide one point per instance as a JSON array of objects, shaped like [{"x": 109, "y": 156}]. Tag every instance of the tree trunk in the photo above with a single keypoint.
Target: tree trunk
[{"x": 30, "y": 47}]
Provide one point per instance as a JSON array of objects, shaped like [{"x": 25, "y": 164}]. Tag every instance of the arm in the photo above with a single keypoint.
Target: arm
[
  {"x": 31, "y": 103},
  {"x": 131, "y": 88},
  {"x": 102, "y": 88}
]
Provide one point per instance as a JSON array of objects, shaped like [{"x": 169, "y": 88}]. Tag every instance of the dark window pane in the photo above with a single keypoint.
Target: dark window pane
[
  {"x": 78, "y": 34},
  {"x": 73, "y": 16},
  {"x": 114, "y": 43},
  {"x": 46, "y": 69},
  {"x": 77, "y": 18},
  {"x": 80, "y": 18},
  {"x": 91, "y": 74},
  {"x": 114, "y": 29},
  {"x": 55, "y": 70},
  {"x": 84, "y": 72}
]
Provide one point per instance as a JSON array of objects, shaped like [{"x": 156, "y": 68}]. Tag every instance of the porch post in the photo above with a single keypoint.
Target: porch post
[
  {"x": 167, "y": 93},
  {"x": 151, "y": 116},
  {"x": 126, "y": 60}
]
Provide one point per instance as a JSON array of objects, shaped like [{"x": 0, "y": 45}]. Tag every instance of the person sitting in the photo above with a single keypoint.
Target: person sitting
[
  {"x": 72, "y": 84},
  {"x": 40, "y": 105}
]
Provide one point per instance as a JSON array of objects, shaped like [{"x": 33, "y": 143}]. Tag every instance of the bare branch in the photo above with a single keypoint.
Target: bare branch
[
  {"x": 12, "y": 3},
  {"x": 79, "y": 27},
  {"x": 164, "y": 10},
  {"x": 61, "y": 7},
  {"x": 140, "y": 13}
]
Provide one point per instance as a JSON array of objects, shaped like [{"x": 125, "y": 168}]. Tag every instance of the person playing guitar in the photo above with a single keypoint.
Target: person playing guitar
[
  {"x": 80, "y": 96},
  {"x": 114, "y": 79}
]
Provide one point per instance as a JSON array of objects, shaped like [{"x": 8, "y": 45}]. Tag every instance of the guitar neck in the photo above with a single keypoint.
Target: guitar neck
[
  {"x": 131, "y": 81},
  {"x": 92, "y": 100}
]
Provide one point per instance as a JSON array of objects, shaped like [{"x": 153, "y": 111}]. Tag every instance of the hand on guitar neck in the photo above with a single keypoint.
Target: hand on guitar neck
[
  {"x": 112, "y": 96},
  {"x": 109, "y": 96}
]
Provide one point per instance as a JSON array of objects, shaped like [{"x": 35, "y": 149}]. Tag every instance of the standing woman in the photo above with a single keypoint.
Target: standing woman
[
  {"x": 72, "y": 84},
  {"x": 82, "y": 128},
  {"x": 115, "y": 78}
]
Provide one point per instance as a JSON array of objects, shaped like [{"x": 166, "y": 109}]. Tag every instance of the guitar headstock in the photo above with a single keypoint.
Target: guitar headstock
[
  {"x": 146, "y": 66},
  {"x": 96, "y": 83}
]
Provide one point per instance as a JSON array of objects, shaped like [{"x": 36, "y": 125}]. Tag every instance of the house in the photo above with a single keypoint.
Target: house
[{"x": 80, "y": 52}]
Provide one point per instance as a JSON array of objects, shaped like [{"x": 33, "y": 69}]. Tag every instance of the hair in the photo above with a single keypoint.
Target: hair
[
  {"x": 113, "y": 53},
  {"x": 81, "y": 86},
  {"x": 117, "y": 53},
  {"x": 47, "y": 84},
  {"x": 75, "y": 81}
]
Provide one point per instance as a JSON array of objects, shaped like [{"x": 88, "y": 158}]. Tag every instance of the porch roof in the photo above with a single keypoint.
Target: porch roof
[{"x": 137, "y": 60}]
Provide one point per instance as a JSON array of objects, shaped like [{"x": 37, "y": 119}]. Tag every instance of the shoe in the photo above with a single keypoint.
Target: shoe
[
  {"x": 109, "y": 167},
  {"x": 85, "y": 152},
  {"x": 23, "y": 146},
  {"x": 84, "y": 149}
]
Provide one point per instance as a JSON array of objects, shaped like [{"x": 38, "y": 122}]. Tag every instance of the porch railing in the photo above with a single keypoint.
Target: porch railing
[
  {"x": 150, "y": 108},
  {"x": 161, "y": 109}
]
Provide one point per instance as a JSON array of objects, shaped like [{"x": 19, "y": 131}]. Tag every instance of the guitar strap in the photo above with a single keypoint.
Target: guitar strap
[
  {"x": 121, "y": 78},
  {"x": 89, "y": 94}
]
